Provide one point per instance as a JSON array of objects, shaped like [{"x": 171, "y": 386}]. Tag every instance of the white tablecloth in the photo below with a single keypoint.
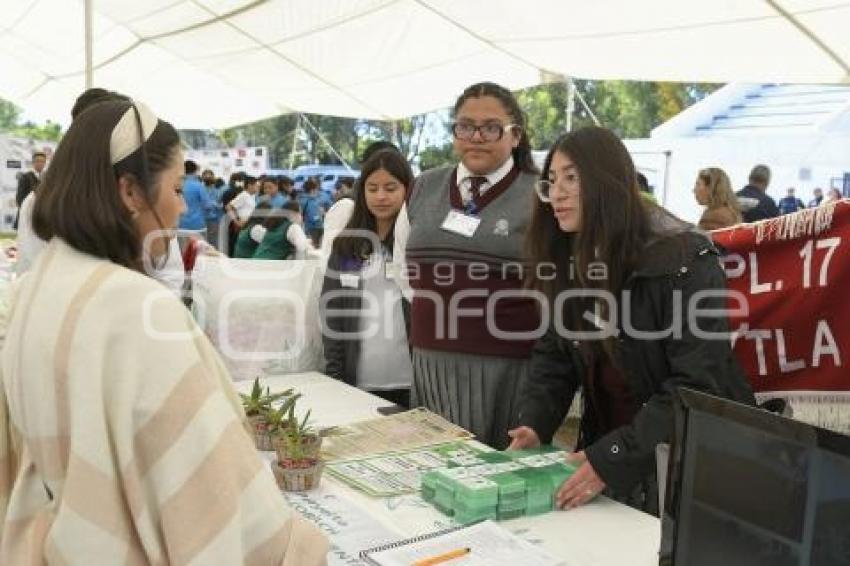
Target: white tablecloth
[{"x": 601, "y": 533}]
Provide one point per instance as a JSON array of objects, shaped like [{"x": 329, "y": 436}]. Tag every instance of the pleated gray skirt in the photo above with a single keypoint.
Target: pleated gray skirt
[{"x": 478, "y": 393}]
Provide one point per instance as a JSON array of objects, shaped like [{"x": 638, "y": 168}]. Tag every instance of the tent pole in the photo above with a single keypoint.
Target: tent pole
[
  {"x": 571, "y": 103},
  {"x": 88, "y": 36},
  {"x": 294, "y": 141},
  {"x": 668, "y": 157}
]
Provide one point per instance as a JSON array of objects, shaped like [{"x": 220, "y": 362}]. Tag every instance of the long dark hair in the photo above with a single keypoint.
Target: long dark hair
[
  {"x": 393, "y": 163},
  {"x": 522, "y": 152},
  {"x": 79, "y": 199},
  {"x": 92, "y": 96},
  {"x": 616, "y": 225}
]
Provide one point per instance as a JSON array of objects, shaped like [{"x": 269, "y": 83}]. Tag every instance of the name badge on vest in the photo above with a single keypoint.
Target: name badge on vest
[
  {"x": 460, "y": 223},
  {"x": 349, "y": 281},
  {"x": 392, "y": 271}
]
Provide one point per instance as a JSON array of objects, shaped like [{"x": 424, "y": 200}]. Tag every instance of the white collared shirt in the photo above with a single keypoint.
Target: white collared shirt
[
  {"x": 464, "y": 174},
  {"x": 244, "y": 204}
]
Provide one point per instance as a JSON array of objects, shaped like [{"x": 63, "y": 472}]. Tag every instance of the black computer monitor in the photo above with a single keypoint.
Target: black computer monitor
[{"x": 748, "y": 487}]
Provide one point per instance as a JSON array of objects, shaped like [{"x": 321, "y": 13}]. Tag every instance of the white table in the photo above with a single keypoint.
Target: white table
[{"x": 601, "y": 533}]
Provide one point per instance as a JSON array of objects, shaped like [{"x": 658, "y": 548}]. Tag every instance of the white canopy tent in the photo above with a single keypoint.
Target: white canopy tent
[{"x": 218, "y": 63}]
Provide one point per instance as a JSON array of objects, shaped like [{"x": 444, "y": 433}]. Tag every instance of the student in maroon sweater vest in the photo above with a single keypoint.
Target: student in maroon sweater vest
[
  {"x": 472, "y": 324},
  {"x": 623, "y": 268}
]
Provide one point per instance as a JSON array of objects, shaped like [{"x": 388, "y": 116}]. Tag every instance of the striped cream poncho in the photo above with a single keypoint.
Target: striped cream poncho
[{"x": 121, "y": 438}]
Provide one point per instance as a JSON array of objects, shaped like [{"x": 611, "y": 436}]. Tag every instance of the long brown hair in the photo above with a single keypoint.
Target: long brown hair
[
  {"x": 523, "y": 159},
  {"x": 720, "y": 192},
  {"x": 78, "y": 199},
  {"x": 615, "y": 228}
]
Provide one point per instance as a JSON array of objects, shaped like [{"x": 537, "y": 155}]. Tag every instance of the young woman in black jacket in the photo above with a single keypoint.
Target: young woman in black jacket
[
  {"x": 630, "y": 290},
  {"x": 365, "y": 319}
]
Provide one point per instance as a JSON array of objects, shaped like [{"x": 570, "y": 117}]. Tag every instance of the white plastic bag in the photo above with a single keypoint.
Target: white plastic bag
[{"x": 262, "y": 315}]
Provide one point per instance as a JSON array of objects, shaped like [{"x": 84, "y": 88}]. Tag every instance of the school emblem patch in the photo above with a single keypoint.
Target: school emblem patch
[{"x": 501, "y": 228}]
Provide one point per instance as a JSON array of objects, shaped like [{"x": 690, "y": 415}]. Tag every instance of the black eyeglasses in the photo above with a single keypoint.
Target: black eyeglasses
[{"x": 490, "y": 132}]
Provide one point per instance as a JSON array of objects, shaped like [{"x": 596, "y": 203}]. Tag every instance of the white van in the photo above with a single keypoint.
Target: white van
[{"x": 329, "y": 175}]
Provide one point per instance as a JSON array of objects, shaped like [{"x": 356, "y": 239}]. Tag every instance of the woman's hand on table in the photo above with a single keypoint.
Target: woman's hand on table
[{"x": 582, "y": 486}]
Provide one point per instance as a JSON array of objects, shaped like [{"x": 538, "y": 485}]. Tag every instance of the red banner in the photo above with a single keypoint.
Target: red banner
[{"x": 794, "y": 272}]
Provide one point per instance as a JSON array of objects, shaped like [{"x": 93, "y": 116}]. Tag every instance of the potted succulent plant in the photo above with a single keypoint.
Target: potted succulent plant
[
  {"x": 259, "y": 407},
  {"x": 299, "y": 464}
]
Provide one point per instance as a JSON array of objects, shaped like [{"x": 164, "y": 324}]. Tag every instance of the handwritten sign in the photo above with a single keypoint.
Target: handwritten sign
[{"x": 349, "y": 529}]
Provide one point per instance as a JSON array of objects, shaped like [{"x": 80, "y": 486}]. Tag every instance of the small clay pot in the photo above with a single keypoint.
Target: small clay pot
[
  {"x": 311, "y": 446},
  {"x": 259, "y": 429},
  {"x": 298, "y": 475}
]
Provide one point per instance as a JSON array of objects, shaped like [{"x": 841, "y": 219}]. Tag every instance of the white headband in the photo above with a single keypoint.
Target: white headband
[{"x": 125, "y": 137}]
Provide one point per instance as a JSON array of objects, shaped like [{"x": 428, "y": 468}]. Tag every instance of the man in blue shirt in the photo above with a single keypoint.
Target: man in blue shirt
[
  {"x": 790, "y": 203},
  {"x": 197, "y": 200},
  {"x": 271, "y": 193},
  {"x": 214, "y": 211},
  {"x": 313, "y": 208},
  {"x": 753, "y": 199},
  {"x": 817, "y": 198}
]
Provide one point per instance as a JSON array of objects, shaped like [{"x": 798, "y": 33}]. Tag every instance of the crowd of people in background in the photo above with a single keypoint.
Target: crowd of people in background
[
  {"x": 218, "y": 211},
  {"x": 725, "y": 208}
]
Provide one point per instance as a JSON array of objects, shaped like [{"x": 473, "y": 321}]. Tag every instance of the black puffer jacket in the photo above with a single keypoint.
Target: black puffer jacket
[
  {"x": 653, "y": 368},
  {"x": 338, "y": 314}
]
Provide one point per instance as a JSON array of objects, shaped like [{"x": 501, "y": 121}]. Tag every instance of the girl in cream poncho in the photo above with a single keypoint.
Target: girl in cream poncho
[{"x": 121, "y": 439}]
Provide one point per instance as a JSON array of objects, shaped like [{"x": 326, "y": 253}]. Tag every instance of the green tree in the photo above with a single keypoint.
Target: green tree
[
  {"x": 10, "y": 116},
  {"x": 315, "y": 135},
  {"x": 630, "y": 108},
  {"x": 545, "y": 107},
  {"x": 48, "y": 132},
  {"x": 436, "y": 156},
  {"x": 275, "y": 133},
  {"x": 406, "y": 134}
]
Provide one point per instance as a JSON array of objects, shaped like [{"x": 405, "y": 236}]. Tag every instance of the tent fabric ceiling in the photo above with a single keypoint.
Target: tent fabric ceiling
[{"x": 218, "y": 63}]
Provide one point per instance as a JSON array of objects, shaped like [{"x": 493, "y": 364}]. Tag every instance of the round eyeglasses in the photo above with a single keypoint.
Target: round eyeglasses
[
  {"x": 490, "y": 132},
  {"x": 544, "y": 187}
]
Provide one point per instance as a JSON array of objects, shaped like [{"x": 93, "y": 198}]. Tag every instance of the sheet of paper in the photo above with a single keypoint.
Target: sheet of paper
[
  {"x": 489, "y": 544},
  {"x": 396, "y": 474},
  {"x": 402, "y": 431},
  {"x": 346, "y": 526}
]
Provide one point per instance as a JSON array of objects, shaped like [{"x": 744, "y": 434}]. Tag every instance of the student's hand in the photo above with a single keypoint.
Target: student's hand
[
  {"x": 523, "y": 437},
  {"x": 582, "y": 486}
]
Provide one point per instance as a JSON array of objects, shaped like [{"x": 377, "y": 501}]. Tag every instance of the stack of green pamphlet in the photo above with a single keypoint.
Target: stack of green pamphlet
[
  {"x": 476, "y": 498},
  {"x": 497, "y": 485}
]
